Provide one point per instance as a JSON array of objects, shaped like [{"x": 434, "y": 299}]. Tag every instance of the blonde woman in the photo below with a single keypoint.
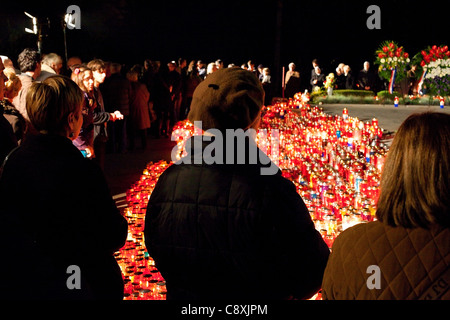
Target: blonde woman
[
  {"x": 84, "y": 78},
  {"x": 14, "y": 117},
  {"x": 58, "y": 221}
]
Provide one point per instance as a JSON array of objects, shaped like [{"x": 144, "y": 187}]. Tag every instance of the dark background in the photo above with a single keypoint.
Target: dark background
[{"x": 269, "y": 32}]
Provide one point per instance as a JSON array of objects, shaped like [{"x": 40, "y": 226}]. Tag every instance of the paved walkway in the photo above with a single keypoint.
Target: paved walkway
[
  {"x": 389, "y": 117},
  {"x": 122, "y": 170}
]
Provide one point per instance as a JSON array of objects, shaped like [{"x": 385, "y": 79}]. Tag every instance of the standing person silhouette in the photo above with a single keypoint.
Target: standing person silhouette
[
  {"x": 58, "y": 221},
  {"x": 209, "y": 225}
]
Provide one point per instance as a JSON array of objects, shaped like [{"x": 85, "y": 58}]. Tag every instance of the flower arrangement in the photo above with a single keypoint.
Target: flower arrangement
[
  {"x": 390, "y": 56},
  {"x": 435, "y": 74},
  {"x": 329, "y": 81}
]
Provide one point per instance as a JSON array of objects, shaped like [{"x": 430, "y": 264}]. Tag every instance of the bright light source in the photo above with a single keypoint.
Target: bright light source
[
  {"x": 29, "y": 15},
  {"x": 68, "y": 18},
  {"x": 35, "y": 29}
]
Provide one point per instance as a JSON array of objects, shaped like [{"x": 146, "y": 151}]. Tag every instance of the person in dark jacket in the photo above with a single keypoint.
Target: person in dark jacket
[
  {"x": 116, "y": 91},
  {"x": 317, "y": 79},
  {"x": 222, "y": 223},
  {"x": 405, "y": 254},
  {"x": 366, "y": 78},
  {"x": 59, "y": 225},
  {"x": 349, "y": 78},
  {"x": 168, "y": 88},
  {"x": 85, "y": 140},
  {"x": 101, "y": 117}
]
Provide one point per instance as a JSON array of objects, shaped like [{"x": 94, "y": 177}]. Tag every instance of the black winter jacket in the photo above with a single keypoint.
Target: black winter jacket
[
  {"x": 55, "y": 212},
  {"x": 223, "y": 231}
]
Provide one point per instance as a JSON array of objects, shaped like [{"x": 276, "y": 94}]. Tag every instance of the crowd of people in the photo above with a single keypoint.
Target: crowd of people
[
  {"x": 209, "y": 227},
  {"x": 122, "y": 103},
  {"x": 126, "y": 103},
  {"x": 345, "y": 79}
]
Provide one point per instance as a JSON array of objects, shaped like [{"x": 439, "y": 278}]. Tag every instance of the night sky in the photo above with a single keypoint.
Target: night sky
[{"x": 269, "y": 32}]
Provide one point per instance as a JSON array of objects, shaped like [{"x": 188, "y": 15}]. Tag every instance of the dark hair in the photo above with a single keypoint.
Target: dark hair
[
  {"x": 50, "y": 102},
  {"x": 28, "y": 59},
  {"x": 415, "y": 187}
]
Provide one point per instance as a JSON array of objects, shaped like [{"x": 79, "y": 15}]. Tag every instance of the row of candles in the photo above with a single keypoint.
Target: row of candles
[
  {"x": 335, "y": 163},
  {"x": 142, "y": 280}
]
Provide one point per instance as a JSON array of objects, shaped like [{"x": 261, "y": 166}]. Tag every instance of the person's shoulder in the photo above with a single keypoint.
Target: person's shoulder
[
  {"x": 25, "y": 79},
  {"x": 367, "y": 231}
]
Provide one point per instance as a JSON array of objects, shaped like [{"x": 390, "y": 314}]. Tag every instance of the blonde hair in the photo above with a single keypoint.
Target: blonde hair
[
  {"x": 50, "y": 102},
  {"x": 13, "y": 84},
  {"x": 79, "y": 75}
]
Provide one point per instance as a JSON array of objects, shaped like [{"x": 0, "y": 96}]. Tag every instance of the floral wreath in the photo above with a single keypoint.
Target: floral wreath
[
  {"x": 433, "y": 64},
  {"x": 392, "y": 59}
]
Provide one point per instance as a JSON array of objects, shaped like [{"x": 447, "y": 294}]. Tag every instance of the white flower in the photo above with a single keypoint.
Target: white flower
[{"x": 383, "y": 60}]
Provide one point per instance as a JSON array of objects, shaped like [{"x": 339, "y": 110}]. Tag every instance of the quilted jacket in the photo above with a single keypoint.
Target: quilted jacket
[
  {"x": 406, "y": 261},
  {"x": 228, "y": 232}
]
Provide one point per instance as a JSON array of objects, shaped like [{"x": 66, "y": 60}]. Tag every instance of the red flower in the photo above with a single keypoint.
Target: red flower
[
  {"x": 385, "y": 49},
  {"x": 405, "y": 55},
  {"x": 380, "y": 55},
  {"x": 422, "y": 63}
]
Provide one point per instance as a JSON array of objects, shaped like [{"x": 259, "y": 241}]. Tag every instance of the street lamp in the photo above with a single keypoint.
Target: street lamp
[
  {"x": 72, "y": 20},
  {"x": 68, "y": 19},
  {"x": 36, "y": 30},
  {"x": 67, "y": 23}
]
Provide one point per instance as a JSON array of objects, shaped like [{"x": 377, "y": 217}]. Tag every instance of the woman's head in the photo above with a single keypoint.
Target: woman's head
[
  {"x": 133, "y": 75},
  {"x": 415, "y": 187},
  {"x": 13, "y": 84},
  {"x": 54, "y": 106},
  {"x": 84, "y": 78}
]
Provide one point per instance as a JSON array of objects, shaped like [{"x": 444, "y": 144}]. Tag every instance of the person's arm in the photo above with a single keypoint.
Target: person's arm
[
  {"x": 102, "y": 117},
  {"x": 304, "y": 247}
]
